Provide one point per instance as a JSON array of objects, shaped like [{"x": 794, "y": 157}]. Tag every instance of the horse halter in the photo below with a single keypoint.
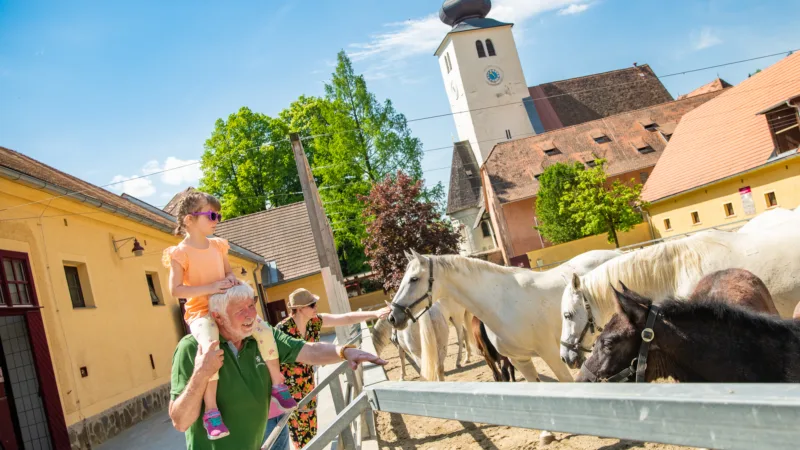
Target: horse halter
[
  {"x": 428, "y": 295},
  {"x": 590, "y": 326},
  {"x": 638, "y": 365}
]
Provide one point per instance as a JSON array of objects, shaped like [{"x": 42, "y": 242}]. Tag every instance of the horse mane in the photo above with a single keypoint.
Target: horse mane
[
  {"x": 381, "y": 334},
  {"x": 648, "y": 271},
  {"x": 463, "y": 264},
  {"x": 735, "y": 316}
]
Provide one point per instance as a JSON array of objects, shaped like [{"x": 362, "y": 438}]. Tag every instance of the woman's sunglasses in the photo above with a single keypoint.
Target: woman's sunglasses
[{"x": 214, "y": 216}]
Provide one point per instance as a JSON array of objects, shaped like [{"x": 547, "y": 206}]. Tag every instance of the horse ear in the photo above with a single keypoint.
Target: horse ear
[
  {"x": 409, "y": 256},
  {"x": 624, "y": 288},
  {"x": 630, "y": 306},
  {"x": 416, "y": 255},
  {"x": 576, "y": 281}
]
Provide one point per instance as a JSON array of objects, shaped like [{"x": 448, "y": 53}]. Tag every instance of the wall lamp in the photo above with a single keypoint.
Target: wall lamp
[{"x": 138, "y": 250}]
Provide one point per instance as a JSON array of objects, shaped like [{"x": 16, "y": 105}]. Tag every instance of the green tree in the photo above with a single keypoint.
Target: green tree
[
  {"x": 556, "y": 223},
  {"x": 248, "y": 164},
  {"x": 603, "y": 207},
  {"x": 358, "y": 141}
]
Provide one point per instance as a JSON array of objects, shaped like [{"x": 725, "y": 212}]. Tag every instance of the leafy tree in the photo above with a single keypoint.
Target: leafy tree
[
  {"x": 556, "y": 223},
  {"x": 248, "y": 164},
  {"x": 400, "y": 220},
  {"x": 358, "y": 141},
  {"x": 602, "y": 207}
]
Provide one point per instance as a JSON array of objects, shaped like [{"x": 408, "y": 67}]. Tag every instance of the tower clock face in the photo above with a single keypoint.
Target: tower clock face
[{"x": 494, "y": 75}]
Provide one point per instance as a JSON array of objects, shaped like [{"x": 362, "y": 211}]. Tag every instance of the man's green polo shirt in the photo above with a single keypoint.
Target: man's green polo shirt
[{"x": 243, "y": 391}]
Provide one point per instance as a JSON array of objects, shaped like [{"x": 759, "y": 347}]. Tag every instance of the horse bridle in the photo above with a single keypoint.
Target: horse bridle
[
  {"x": 590, "y": 326},
  {"x": 638, "y": 365},
  {"x": 428, "y": 295}
]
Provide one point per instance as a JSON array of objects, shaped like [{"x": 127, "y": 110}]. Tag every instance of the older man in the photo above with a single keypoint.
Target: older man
[{"x": 243, "y": 393}]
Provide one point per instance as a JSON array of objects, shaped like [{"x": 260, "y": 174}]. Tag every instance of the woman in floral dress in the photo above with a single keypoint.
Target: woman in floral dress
[{"x": 305, "y": 323}]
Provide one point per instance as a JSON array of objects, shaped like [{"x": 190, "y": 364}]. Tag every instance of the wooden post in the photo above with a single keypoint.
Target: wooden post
[{"x": 323, "y": 238}]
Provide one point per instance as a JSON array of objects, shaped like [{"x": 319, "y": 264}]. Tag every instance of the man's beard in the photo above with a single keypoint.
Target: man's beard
[{"x": 233, "y": 334}]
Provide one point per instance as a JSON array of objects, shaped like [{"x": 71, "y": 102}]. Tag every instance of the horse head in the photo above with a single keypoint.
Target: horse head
[
  {"x": 576, "y": 323},
  {"x": 415, "y": 288},
  {"x": 617, "y": 347}
]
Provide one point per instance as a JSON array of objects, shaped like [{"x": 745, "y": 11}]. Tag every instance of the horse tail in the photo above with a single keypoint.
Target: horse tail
[
  {"x": 491, "y": 351},
  {"x": 381, "y": 334},
  {"x": 429, "y": 364}
]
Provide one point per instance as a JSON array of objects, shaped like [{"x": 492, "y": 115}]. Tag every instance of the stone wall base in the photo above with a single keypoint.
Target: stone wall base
[{"x": 97, "y": 429}]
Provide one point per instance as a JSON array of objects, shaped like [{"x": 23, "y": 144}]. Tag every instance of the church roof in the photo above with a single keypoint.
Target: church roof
[
  {"x": 471, "y": 25},
  {"x": 577, "y": 100},
  {"x": 465, "y": 181},
  {"x": 455, "y": 11},
  {"x": 717, "y": 85},
  {"x": 513, "y": 166}
]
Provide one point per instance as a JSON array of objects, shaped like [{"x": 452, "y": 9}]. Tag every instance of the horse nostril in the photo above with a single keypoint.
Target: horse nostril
[
  {"x": 564, "y": 360},
  {"x": 391, "y": 319}
]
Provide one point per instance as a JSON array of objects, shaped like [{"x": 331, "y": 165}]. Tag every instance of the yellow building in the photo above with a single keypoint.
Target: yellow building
[
  {"x": 83, "y": 319},
  {"x": 733, "y": 157}
]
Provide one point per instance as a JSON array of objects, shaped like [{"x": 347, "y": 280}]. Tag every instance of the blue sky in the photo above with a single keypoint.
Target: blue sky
[{"x": 110, "y": 90}]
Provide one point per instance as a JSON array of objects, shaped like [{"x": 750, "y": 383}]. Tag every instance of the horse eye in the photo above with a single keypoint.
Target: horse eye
[
  {"x": 568, "y": 316},
  {"x": 414, "y": 279}
]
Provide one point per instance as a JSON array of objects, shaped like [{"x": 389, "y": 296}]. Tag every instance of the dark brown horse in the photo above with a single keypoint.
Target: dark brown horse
[
  {"x": 505, "y": 372},
  {"x": 698, "y": 341},
  {"x": 735, "y": 287}
]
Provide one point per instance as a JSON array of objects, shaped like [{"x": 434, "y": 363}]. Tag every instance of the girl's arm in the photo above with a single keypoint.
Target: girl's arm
[
  {"x": 229, "y": 271},
  {"x": 179, "y": 290}
]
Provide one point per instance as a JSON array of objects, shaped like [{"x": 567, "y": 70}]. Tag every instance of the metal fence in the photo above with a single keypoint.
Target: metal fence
[{"x": 718, "y": 416}]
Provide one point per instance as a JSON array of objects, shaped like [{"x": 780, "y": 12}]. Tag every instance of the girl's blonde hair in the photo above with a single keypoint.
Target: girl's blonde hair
[{"x": 191, "y": 203}]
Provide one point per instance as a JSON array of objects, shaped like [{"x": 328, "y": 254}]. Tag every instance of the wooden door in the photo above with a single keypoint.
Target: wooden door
[{"x": 277, "y": 312}]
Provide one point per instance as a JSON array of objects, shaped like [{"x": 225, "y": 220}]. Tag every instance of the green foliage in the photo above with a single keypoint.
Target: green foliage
[
  {"x": 600, "y": 207},
  {"x": 362, "y": 141},
  {"x": 244, "y": 169},
  {"x": 556, "y": 223}
]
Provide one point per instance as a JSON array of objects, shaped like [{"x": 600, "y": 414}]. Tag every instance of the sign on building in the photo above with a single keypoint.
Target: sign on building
[{"x": 747, "y": 201}]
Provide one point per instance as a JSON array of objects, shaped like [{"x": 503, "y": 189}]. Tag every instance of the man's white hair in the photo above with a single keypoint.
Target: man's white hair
[{"x": 218, "y": 303}]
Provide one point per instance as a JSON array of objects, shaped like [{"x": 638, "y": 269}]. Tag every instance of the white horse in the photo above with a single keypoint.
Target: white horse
[
  {"x": 409, "y": 339},
  {"x": 519, "y": 306},
  {"x": 673, "y": 269},
  {"x": 776, "y": 217}
]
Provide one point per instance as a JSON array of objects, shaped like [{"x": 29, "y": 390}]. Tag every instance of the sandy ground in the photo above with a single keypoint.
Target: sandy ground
[{"x": 397, "y": 431}]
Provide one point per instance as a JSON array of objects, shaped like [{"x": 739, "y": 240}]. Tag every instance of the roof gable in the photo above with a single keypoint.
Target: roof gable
[
  {"x": 578, "y": 100},
  {"x": 725, "y": 136},
  {"x": 465, "y": 182}
]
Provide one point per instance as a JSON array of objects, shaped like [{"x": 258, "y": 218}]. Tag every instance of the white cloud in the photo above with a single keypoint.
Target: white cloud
[
  {"x": 174, "y": 172},
  {"x": 574, "y": 9},
  {"x": 705, "y": 39},
  {"x": 420, "y": 36},
  {"x": 137, "y": 187}
]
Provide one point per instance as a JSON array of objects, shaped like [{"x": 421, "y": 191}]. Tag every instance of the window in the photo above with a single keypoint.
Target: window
[
  {"x": 591, "y": 164},
  {"x": 508, "y": 134},
  {"x": 666, "y": 136},
  {"x": 652, "y": 126},
  {"x": 695, "y": 217},
  {"x": 552, "y": 152},
  {"x": 447, "y": 62},
  {"x": 645, "y": 150},
  {"x": 481, "y": 51},
  {"x": 644, "y": 176},
  {"x": 783, "y": 124},
  {"x": 155, "y": 289},
  {"x": 485, "y": 229},
  {"x": 15, "y": 280},
  {"x": 772, "y": 201},
  {"x": 729, "y": 210},
  {"x": 269, "y": 274},
  {"x": 490, "y": 47},
  {"x": 74, "y": 286},
  {"x": 602, "y": 139},
  {"x": 667, "y": 225}
]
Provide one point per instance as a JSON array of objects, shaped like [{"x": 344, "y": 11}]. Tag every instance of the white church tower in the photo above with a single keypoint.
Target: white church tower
[{"x": 483, "y": 77}]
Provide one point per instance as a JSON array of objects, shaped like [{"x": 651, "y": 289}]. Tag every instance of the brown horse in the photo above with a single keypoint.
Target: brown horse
[
  {"x": 704, "y": 339},
  {"x": 490, "y": 353},
  {"x": 735, "y": 287}
]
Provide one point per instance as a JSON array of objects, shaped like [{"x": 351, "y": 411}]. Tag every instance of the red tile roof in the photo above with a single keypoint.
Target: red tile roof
[
  {"x": 717, "y": 85},
  {"x": 510, "y": 163},
  {"x": 724, "y": 136},
  {"x": 282, "y": 234}
]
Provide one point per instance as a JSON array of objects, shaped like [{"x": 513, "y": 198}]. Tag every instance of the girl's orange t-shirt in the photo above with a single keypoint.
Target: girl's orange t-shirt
[{"x": 200, "y": 267}]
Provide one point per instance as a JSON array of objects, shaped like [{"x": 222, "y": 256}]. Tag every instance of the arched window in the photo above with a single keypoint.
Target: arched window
[
  {"x": 490, "y": 47},
  {"x": 481, "y": 51},
  {"x": 447, "y": 62}
]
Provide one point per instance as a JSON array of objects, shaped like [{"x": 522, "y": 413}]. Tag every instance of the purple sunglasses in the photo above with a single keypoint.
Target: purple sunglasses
[{"x": 214, "y": 216}]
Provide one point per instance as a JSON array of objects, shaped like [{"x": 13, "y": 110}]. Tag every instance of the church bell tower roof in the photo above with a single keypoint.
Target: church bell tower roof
[{"x": 454, "y": 12}]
